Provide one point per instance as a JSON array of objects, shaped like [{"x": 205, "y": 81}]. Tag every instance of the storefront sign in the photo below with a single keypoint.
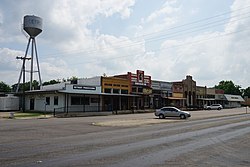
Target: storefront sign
[
  {"x": 79, "y": 87},
  {"x": 147, "y": 91}
]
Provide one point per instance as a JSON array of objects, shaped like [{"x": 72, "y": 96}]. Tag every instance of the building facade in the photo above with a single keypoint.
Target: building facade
[
  {"x": 161, "y": 91},
  {"x": 189, "y": 90},
  {"x": 116, "y": 94},
  {"x": 141, "y": 86},
  {"x": 131, "y": 91}
]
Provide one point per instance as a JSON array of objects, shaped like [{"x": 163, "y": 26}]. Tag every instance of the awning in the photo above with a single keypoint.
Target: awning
[
  {"x": 206, "y": 99},
  {"x": 235, "y": 98},
  {"x": 176, "y": 98}
]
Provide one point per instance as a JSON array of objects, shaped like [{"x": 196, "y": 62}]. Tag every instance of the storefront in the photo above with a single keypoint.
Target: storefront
[
  {"x": 140, "y": 85},
  {"x": 160, "y": 93}
]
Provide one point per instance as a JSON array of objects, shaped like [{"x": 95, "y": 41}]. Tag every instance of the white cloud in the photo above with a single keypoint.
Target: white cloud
[{"x": 165, "y": 11}]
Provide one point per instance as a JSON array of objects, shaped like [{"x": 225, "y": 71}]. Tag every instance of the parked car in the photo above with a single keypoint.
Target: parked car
[
  {"x": 214, "y": 107},
  {"x": 171, "y": 112}
]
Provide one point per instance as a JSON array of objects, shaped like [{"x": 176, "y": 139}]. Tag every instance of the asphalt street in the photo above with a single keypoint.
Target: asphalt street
[{"x": 215, "y": 140}]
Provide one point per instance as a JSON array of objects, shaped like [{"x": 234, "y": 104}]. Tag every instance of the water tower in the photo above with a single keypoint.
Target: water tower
[{"x": 32, "y": 25}]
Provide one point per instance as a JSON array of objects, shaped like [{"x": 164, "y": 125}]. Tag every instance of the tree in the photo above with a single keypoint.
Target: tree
[
  {"x": 73, "y": 80},
  {"x": 246, "y": 92},
  {"x": 229, "y": 87},
  {"x": 35, "y": 86},
  {"x": 51, "y": 82},
  {"x": 4, "y": 87}
]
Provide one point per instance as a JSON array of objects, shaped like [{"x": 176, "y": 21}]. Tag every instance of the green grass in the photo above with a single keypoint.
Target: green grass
[{"x": 24, "y": 115}]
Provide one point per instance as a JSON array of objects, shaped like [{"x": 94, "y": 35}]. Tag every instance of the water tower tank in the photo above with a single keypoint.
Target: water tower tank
[{"x": 32, "y": 25}]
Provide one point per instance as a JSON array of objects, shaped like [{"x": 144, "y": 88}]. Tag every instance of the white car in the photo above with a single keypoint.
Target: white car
[
  {"x": 171, "y": 112},
  {"x": 214, "y": 107}
]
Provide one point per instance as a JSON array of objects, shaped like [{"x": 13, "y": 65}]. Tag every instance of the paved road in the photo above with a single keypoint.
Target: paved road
[{"x": 221, "y": 141}]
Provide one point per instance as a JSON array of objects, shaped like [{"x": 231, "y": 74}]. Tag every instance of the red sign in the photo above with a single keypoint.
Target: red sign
[{"x": 139, "y": 78}]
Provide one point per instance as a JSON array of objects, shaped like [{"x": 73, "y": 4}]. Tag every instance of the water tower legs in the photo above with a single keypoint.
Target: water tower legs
[{"x": 33, "y": 50}]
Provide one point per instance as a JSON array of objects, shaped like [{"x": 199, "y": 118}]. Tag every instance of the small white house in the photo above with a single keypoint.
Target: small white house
[
  {"x": 64, "y": 97},
  {"x": 9, "y": 103},
  {"x": 232, "y": 101}
]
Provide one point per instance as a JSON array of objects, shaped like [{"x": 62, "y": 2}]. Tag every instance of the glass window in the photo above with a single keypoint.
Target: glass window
[
  {"x": 140, "y": 90},
  {"x": 55, "y": 100},
  {"x": 78, "y": 100},
  {"x": 95, "y": 100},
  {"x": 85, "y": 100},
  {"x": 124, "y": 91},
  {"x": 116, "y": 91},
  {"x": 107, "y": 90},
  {"x": 75, "y": 100},
  {"x": 47, "y": 100}
]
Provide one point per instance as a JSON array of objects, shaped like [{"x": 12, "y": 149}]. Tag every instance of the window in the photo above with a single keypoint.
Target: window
[
  {"x": 47, "y": 100},
  {"x": 55, "y": 100},
  {"x": 85, "y": 100},
  {"x": 116, "y": 91},
  {"x": 133, "y": 89},
  {"x": 75, "y": 100},
  {"x": 106, "y": 84},
  {"x": 140, "y": 90},
  {"x": 78, "y": 100},
  {"x": 95, "y": 100},
  {"x": 124, "y": 91},
  {"x": 107, "y": 90}
]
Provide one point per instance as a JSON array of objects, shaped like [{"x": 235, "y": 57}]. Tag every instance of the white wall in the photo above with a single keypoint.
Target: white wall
[
  {"x": 40, "y": 100},
  {"x": 9, "y": 103},
  {"x": 54, "y": 86},
  {"x": 95, "y": 81}
]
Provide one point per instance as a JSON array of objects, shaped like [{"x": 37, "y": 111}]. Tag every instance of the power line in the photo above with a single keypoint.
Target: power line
[
  {"x": 157, "y": 33},
  {"x": 176, "y": 46},
  {"x": 194, "y": 29},
  {"x": 176, "y": 34}
]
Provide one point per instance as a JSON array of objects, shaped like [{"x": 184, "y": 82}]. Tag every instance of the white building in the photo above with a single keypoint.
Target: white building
[
  {"x": 232, "y": 101},
  {"x": 9, "y": 103},
  {"x": 66, "y": 97}
]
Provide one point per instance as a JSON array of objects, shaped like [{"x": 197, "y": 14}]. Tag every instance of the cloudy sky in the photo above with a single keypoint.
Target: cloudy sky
[{"x": 168, "y": 39}]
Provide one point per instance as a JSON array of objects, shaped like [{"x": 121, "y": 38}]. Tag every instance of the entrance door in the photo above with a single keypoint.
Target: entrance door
[{"x": 32, "y": 104}]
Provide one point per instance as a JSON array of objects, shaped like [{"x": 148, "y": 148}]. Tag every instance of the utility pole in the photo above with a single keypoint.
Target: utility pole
[{"x": 23, "y": 72}]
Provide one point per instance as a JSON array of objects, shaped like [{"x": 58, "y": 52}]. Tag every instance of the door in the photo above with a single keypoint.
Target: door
[{"x": 32, "y": 104}]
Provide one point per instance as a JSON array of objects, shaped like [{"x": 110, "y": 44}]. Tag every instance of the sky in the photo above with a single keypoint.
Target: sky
[{"x": 167, "y": 39}]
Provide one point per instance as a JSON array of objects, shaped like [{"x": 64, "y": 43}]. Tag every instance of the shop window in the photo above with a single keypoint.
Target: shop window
[
  {"x": 55, "y": 100},
  {"x": 47, "y": 100},
  {"x": 134, "y": 89},
  {"x": 146, "y": 102},
  {"x": 140, "y": 90},
  {"x": 85, "y": 100},
  {"x": 95, "y": 100},
  {"x": 107, "y": 90},
  {"x": 124, "y": 91},
  {"x": 77, "y": 100},
  {"x": 116, "y": 91}
]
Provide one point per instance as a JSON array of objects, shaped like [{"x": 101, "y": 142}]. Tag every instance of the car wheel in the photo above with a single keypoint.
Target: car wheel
[
  {"x": 182, "y": 116},
  {"x": 161, "y": 116},
  {"x": 219, "y": 108},
  {"x": 209, "y": 108}
]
